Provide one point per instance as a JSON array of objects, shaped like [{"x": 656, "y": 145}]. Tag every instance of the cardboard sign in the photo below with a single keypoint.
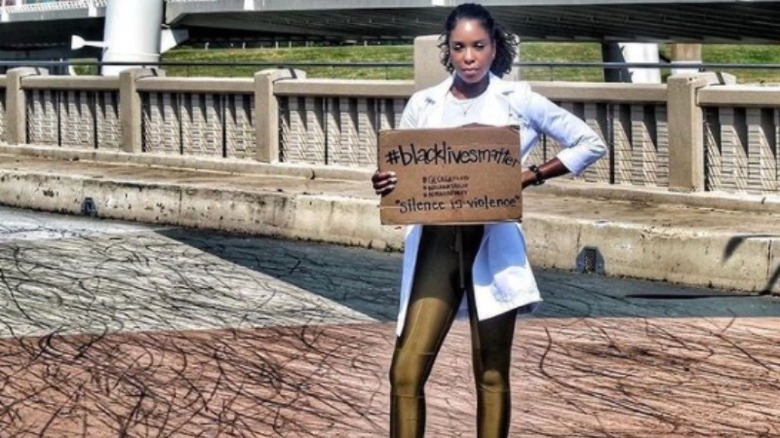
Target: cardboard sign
[{"x": 452, "y": 176}]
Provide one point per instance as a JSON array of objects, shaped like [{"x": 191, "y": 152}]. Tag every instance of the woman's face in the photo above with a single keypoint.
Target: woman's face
[{"x": 471, "y": 50}]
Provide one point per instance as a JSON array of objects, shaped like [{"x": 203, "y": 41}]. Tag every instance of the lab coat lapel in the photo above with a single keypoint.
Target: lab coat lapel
[
  {"x": 435, "y": 98},
  {"x": 495, "y": 109}
]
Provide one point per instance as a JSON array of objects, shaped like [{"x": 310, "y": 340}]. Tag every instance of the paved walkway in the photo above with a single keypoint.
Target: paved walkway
[{"x": 122, "y": 329}]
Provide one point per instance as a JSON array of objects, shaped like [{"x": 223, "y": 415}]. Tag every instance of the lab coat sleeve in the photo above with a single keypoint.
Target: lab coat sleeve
[{"x": 582, "y": 146}]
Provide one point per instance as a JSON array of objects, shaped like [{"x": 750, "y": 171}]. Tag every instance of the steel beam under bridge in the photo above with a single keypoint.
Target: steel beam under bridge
[{"x": 699, "y": 21}]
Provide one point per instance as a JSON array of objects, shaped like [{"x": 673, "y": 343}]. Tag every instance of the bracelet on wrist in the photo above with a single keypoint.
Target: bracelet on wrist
[{"x": 539, "y": 180}]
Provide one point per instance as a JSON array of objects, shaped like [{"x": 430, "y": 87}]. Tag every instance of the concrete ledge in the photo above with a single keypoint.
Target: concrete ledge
[
  {"x": 698, "y": 257},
  {"x": 717, "y": 200},
  {"x": 342, "y": 220},
  {"x": 674, "y": 254},
  {"x": 660, "y": 195}
]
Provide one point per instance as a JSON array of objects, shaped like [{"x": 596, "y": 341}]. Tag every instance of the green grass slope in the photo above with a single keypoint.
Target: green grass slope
[{"x": 233, "y": 61}]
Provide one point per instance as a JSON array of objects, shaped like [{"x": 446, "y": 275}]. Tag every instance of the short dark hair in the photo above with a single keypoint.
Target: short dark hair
[{"x": 504, "y": 41}]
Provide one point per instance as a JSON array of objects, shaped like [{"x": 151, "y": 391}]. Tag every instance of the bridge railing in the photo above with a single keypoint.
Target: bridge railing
[
  {"x": 198, "y": 118},
  {"x": 632, "y": 119},
  {"x": 73, "y": 112},
  {"x": 693, "y": 133},
  {"x": 336, "y": 122},
  {"x": 741, "y": 132}
]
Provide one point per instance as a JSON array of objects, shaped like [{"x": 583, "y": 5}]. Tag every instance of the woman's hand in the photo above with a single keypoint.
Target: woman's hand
[{"x": 384, "y": 182}]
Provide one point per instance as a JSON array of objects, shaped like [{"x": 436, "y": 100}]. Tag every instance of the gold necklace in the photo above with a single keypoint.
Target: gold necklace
[{"x": 464, "y": 104}]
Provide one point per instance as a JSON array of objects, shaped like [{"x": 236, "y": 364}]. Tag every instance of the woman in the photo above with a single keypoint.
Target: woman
[{"x": 476, "y": 50}]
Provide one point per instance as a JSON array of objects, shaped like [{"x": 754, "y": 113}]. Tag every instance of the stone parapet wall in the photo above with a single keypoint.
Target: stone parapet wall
[{"x": 698, "y": 132}]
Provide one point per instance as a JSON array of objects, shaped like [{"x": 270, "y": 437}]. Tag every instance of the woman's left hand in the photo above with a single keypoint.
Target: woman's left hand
[{"x": 383, "y": 182}]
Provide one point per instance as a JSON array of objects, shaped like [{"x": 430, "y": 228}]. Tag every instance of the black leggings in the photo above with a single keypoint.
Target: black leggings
[{"x": 435, "y": 299}]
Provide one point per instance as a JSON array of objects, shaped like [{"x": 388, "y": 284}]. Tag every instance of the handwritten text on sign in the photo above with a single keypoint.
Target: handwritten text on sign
[{"x": 445, "y": 176}]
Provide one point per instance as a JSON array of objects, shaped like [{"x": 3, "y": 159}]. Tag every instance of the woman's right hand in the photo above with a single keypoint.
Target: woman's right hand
[{"x": 384, "y": 182}]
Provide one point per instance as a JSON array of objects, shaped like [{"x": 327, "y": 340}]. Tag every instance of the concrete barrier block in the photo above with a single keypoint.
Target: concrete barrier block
[
  {"x": 552, "y": 242},
  {"x": 745, "y": 268},
  {"x": 211, "y": 209},
  {"x": 680, "y": 256},
  {"x": 41, "y": 192},
  {"x": 773, "y": 275},
  {"x": 344, "y": 220},
  {"x": 216, "y": 209},
  {"x": 149, "y": 203},
  {"x": 235, "y": 211}
]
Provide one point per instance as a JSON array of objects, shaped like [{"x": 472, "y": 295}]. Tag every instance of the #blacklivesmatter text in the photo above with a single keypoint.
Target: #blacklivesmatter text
[{"x": 443, "y": 154}]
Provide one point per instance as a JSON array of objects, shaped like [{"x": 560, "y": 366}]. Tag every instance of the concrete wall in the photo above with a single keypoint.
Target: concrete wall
[{"x": 691, "y": 134}]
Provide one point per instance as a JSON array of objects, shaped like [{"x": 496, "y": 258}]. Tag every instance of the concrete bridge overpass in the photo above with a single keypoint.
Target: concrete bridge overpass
[{"x": 38, "y": 30}]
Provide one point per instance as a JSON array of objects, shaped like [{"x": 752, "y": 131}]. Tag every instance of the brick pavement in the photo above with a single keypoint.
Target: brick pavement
[
  {"x": 571, "y": 377},
  {"x": 127, "y": 330}
]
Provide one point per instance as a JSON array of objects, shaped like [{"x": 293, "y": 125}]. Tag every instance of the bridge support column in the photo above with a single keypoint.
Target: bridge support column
[
  {"x": 428, "y": 70},
  {"x": 130, "y": 111},
  {"x": 16, "y": 104},
  {"x": 686, "y": 128},
  {"x": 132, "y": 33},
  {"x": 631, "y": 53},
  {"x": 685, "y": 53},
  {"x": 267, "y": 112}
]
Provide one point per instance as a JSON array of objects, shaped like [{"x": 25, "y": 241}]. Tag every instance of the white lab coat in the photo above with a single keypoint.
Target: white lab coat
[{"x": 502, "y": 277}]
